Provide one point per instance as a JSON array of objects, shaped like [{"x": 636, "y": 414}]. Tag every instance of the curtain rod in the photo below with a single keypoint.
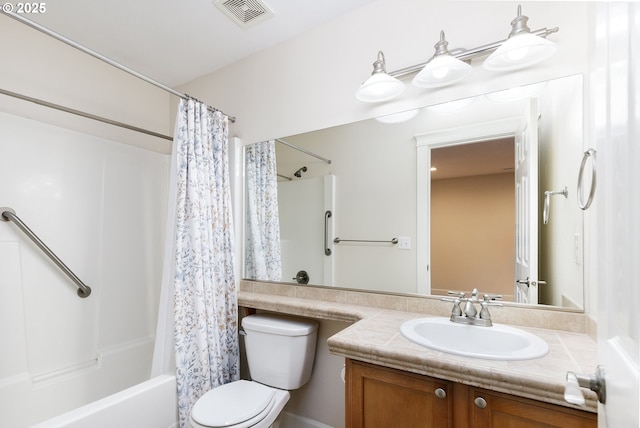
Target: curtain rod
[
  {"x": 293, "y": 146},
  {"x": 101, "y": 57},
  {"x": 83, "y": 114}
]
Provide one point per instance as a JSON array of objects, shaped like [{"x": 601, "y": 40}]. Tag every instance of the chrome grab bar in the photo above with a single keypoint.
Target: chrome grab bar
[
  {"x": 589, "y": 154},
  {"x": 339, "y": 240},
  {"x": 8, "y": 214},
  {"x": 327, "y": 250}
]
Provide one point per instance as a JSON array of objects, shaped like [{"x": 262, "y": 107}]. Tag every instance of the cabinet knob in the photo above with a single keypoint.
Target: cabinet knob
[
  {"x": 440, "y": 393},
  {"x": 480, "y": 402}
]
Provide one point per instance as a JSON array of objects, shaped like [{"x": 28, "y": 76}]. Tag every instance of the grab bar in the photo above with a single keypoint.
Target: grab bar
[
  {"x": 8, "y": 214},
  {"x": 591, "y": 153},
  {"x": 327, "y": 216},
  {"x": 338, "y": 240}
]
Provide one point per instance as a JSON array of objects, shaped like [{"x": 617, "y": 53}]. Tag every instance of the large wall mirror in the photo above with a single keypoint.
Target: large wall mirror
[{"x": 475, "y": 193}]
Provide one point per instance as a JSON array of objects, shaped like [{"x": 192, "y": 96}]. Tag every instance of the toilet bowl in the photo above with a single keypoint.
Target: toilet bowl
[
  {"x": 239, "y": 404},
  {"x": 280, "y": 352}
]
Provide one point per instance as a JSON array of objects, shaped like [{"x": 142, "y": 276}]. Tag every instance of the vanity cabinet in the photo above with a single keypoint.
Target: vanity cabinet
[
  {"x": 382, "y": 397},
  {"x": 379, "y": 397}
]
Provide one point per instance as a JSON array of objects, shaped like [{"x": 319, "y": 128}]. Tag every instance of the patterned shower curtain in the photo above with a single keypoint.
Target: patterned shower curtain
[
  {"x": 204, "y": 292},
  {"x": 262, "y": 242}
]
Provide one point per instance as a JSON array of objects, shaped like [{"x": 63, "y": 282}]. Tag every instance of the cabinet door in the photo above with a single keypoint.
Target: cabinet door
[
  {"x": 495, "y": 410},
  {"x": 378, "y": 397}
]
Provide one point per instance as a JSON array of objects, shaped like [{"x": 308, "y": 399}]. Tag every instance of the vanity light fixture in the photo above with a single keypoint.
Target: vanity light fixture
[
  {"x": 441, "y": 70},
  {"x": 522, "y": 49},
  {"x": 380, "y": 86}
]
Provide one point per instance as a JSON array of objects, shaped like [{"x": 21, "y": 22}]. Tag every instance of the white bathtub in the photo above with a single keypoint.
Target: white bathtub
[{"x": 151, "y": 404}]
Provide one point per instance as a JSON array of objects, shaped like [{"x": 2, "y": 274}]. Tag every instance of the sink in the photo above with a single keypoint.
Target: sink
[{"x": 498, "y": 342}]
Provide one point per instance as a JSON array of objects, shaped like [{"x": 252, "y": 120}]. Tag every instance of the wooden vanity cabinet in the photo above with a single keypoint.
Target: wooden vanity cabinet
[
  {"x": 380, "y": 397},
  {"x": 489, "y": 409}
]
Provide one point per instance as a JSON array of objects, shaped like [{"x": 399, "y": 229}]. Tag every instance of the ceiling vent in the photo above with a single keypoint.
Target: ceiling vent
[{"x": 245, "y": 12}]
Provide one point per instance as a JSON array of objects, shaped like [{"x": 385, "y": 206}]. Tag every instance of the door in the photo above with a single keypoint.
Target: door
[
  {"x": 526, "y": 177},
  {"x": 617, "y": 200},
  {"x": 302, "y": 205}
]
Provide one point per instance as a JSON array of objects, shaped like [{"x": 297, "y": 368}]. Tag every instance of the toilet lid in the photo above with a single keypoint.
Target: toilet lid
[{"x": 232, "y": 404}]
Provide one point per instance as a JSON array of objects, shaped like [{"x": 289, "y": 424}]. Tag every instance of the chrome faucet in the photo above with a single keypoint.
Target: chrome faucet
[{"x": 469, "y": 314}]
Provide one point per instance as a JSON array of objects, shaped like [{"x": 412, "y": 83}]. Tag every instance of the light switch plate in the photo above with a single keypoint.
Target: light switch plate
[{"x": 404, "y": 243}]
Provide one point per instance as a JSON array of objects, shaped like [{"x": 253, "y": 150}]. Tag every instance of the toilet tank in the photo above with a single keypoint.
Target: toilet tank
[{"x": 280, "y": 349}]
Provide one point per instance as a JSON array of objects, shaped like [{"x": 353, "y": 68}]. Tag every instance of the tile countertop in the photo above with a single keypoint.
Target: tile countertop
[{"x": 374, "y": 337}]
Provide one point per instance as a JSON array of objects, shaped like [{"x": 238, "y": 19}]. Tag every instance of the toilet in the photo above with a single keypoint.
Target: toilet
[{"x": 280, "y": 351}]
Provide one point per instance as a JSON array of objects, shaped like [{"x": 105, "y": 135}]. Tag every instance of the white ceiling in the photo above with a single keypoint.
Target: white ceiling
[{"x": 176, "y": 41}]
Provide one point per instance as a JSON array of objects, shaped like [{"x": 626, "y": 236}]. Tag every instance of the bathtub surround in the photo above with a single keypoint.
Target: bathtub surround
[
  {"x": 201, "y": 277},
  {"x": 61, "y": 352}
]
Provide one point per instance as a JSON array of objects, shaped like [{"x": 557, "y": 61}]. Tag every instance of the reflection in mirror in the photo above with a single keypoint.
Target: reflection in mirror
[
  {"x": 472, "y": 208},
  {"x": 385, "y": 203}
]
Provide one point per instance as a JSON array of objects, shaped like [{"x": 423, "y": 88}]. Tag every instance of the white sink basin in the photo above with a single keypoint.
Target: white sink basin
[{"x": 498, "y": 342}]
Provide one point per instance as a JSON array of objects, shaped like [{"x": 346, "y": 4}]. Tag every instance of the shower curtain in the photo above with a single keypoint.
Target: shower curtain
[
  {"x": 262, "y": 243},
  {"x": 199, "y": 296}
]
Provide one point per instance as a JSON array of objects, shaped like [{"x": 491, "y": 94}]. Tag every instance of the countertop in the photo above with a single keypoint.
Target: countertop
[{"x": 374, "y": 337}]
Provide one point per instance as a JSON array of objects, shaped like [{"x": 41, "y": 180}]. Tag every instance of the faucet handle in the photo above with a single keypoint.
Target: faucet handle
[
  {"x": 490, "y": 297},
  {"x": 456, "y": 310},
  {"x": 459, "y": 294}
]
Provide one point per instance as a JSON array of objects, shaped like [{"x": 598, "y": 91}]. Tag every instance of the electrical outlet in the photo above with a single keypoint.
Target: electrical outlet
[{"x": 404, "y": 243}]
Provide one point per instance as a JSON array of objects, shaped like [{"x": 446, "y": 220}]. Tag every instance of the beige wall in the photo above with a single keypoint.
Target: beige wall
[{"x": 472, "y": 234}]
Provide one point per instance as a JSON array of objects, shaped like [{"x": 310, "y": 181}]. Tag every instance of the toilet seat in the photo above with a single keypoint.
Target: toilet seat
[{"x": 237, "y": 404}]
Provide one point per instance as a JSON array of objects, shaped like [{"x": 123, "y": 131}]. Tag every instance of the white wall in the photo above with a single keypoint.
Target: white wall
[
  {"x": 38, "y": 66},
  {"x": 309, "y": 83},
  {"x": 562, "y": 143}
]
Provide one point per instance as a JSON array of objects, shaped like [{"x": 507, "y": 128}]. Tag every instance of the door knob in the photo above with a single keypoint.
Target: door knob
[{"x": 528, "y": 283}]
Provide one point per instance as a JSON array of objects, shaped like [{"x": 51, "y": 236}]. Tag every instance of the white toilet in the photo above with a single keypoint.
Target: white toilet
[{"x": 280, "y": 352}]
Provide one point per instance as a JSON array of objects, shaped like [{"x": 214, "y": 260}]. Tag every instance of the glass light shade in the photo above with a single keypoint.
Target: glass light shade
[
  {"x": 519, "y": 51},
  {"x": 379, "y": 87},
  {"x": 442, "y": 70}
]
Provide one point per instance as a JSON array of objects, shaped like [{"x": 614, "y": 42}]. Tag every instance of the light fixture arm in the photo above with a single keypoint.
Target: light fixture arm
[
  {"x": 519, "y": 23},
  {"x": 379, "y": 66},
  {"x": 441, "y": 46},
  {"x": 469, "y": 54}
]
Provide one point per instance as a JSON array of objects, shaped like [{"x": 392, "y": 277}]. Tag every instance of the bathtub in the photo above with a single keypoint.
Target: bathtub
[
  {"x": 150, "y": 404},
  {"x": 113, "y": 388}
]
